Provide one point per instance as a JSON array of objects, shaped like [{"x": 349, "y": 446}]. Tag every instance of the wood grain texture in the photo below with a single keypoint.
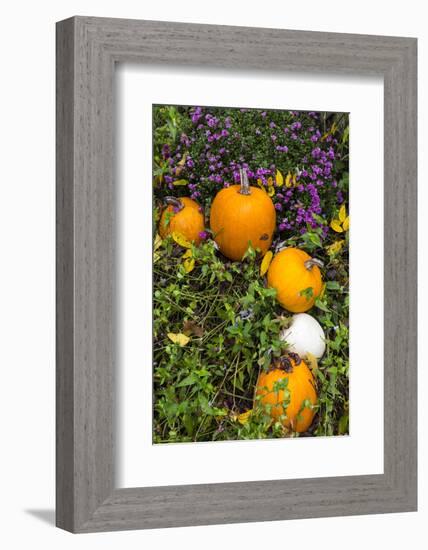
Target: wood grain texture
[{"x": 87, "y": 50}]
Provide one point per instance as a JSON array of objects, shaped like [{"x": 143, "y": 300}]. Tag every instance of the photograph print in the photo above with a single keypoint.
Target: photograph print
[{"x": 250, "y": 274}]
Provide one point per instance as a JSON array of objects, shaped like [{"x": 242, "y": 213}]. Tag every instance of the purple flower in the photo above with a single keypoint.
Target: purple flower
[
  {"x": 296, "y": 125},
  {"x": 272, "y": 124},
  {"x": 212, "y": 122},
  {"x": 273, "y": 137},
  {"x": 282, "y": 148},
  {"x": 339, "y": 196},
  {"x": 278, "y": 206},
  {"x": 236, "y": 176},
  {"x": 166, "y": 152},
  {"x": 190, "y": 163},
  {"x": 316, "y": 152},
  {"x": 227, "y": 122},
  {"x": 196, "y": 114},
  {"x": 185, "y": 140},
  {"x": 263, "y": 114},
  {"x": 203, "y": 235}
]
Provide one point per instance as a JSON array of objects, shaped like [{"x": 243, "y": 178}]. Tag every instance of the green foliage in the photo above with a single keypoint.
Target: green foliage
[{"x": 233, "y": 322}]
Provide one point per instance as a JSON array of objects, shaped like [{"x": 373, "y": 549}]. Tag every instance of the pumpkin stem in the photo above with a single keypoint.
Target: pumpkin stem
[
  {"x": 176, "y": 203},
  {"x": 309, "y": 264},
  {"x": 245, "y": 186}
]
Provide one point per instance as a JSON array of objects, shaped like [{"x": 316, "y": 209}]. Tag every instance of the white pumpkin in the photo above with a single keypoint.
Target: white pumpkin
[{"x": 304, "y": 335}]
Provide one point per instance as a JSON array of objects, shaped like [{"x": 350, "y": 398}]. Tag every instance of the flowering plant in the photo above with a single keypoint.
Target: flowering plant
[{"x": 300, "y": 158}]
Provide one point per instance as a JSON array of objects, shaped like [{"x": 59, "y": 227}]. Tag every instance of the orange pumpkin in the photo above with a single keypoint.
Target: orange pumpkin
[
  {"x": 242, "y": 215},
  {"x": 300, "y": 386},
  {"x": 183, "y": 216},
  {"x": 293, "y": 273}
]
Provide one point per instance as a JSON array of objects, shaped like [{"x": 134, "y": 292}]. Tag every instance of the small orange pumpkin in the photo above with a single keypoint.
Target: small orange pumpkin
[
  {"x": 300, "y": 387},
  {"x": 183, "y": 216},
  {"x": 242, "y": 215},
  {"x": 293, "y": 273}
]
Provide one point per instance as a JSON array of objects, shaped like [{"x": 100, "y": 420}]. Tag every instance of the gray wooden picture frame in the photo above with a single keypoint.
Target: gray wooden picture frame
[{"x": 87, "y": 51}]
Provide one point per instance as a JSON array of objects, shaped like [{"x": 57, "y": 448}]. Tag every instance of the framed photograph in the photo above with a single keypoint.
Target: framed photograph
[{"x": 236, "y": 274}]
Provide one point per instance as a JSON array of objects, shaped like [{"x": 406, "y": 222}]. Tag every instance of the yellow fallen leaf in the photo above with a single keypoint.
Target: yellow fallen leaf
[
  {"x": 179, "y": 168},
  {"x": 156, "y": 257},
  {"x": 294, "y": 180},
  {"x": 288, "y": 182},
  {"x": 180, "y": 339},
  {"x": 332, "y": 131},
  {"x": 244, "y": 417},
  {"x": 346, "y": 223},
  {"x": 279, "y": 179},
  {"x": 260, "y": 183},
  {"x": 183, "y": 160},
  {"x": 189, "y": 264},
  {"x": 158, "y": 241},
  {"x": 342, "y": 213},
  {"x": 267, "y": 258},
  {"x": 271, "y": 190},
  {"x": 180, "y": 182},
  {"x": 336, "y": 226},
  {"x": 322, "y": 291},
  {"x": 312, "y": 361},
  {"x": 270, "y": 181},
  {"x": 182, "y": 241},
  {"x": 187, "y": 254},
  {"x": 335, "y": 248}
]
